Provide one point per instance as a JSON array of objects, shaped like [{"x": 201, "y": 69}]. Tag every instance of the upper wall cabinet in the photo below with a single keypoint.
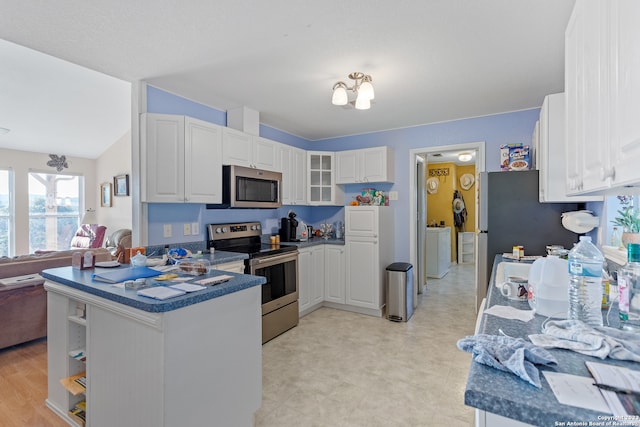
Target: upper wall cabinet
[
  {"x": 602, "y": 84},
  {"x": 294, "y": 175},
  {"x": 365, "y": 165},
  {"x": 551, "y": 153},
  {"x": 239, "y": 148},
  {"x": 321, "y": 182},
  {"x": 180, "y": 159}
]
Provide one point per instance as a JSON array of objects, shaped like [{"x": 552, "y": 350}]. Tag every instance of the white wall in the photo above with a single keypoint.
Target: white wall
[
  {"x": 23, "y": 162},
  {"x": 116, "y": 160}
]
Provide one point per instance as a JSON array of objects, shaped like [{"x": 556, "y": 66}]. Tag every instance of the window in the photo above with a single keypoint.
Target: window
[
  {"x": 6, "y": 212},
  {"x": 54, "y": 210}
]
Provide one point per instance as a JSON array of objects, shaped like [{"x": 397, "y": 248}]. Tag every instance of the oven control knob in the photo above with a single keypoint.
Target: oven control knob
[
  {"x": 218, "y": 230},
  {"x": 224, "y": 229}
]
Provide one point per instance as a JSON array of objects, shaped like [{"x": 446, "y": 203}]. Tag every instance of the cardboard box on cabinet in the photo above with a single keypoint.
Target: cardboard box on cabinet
[{"x": 515, "y": 157}]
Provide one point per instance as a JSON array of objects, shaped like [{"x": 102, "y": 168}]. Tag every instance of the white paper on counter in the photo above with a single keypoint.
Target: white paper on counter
[
  {"x": 574, "y": 390},
  {"x": 620, "y": 377},
  {"x": 509, "y": 312}
]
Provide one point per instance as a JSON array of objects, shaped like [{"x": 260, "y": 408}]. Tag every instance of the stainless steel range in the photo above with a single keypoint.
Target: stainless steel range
[{"x": 277, "y": 263}]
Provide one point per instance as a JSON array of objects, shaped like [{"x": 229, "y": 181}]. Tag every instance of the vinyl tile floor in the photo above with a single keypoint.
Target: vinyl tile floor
[{"x": 338, "y": 368}]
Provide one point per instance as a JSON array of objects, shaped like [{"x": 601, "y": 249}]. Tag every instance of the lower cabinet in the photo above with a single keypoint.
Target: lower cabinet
[
  {"x": 325, "y": 279},
  {"x": 488, "y": 419},
  {"x": 363, "y": 275},
  {"x": 334, "y": 279},
  {"x": 311, "y": 278},
  {"x": 151, "y": 369}
]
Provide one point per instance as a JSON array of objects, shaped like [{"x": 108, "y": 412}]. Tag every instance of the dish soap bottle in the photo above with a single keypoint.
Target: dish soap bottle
[{"x": 629, "y": 289}]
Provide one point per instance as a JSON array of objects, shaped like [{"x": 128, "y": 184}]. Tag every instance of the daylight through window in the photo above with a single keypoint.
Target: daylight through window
[
  {"x": 6, "y": 212},
  {"x": 54, "y": 210}
]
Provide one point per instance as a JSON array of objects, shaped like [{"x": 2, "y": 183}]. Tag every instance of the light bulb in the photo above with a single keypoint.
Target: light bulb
[
  {"x": 339, "y": 95},
  {"x": 362, "y": 103},
  {"x": 366, "y": 90}
]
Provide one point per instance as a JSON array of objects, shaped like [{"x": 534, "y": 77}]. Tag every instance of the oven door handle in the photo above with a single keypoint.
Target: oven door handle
[{"x": 272, "y": 259}]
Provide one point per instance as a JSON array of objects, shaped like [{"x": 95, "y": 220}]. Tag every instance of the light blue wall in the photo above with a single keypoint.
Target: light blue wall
[
  {"x": 178, "y": 214},
  {"x": 493, "y": 130}
]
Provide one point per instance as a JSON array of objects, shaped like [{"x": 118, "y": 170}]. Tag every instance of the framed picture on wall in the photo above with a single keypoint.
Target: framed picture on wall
[
  {"x": 121, "y": 185},
  {"x": 105, "y": 195}
]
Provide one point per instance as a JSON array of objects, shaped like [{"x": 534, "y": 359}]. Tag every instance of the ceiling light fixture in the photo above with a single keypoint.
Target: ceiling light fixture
[
  {"x": 465, "y": 157},
  {"x": 362, "y": 87}
]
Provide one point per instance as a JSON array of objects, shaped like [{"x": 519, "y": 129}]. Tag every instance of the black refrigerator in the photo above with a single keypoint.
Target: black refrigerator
[{"x": 510, "y": 214}]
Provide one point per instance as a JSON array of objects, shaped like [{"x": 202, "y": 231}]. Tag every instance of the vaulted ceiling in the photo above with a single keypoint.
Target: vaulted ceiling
[{"x": 430, "y": 60}]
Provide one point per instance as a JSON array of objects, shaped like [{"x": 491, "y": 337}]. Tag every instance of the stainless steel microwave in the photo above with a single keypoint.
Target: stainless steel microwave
[{"x": 244, "y": 187}]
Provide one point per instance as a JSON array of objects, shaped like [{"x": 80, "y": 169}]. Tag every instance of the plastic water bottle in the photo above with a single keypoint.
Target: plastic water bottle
[
  {"x": 585, "y": 282},
  {"x": 629, "y": 289}
]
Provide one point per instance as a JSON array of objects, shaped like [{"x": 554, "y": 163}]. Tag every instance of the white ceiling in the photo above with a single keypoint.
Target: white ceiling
[{"x": 431, "y": 61}]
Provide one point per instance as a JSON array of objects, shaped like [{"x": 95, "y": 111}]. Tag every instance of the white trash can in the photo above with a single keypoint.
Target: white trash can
[{"x": 399, "y": 291}]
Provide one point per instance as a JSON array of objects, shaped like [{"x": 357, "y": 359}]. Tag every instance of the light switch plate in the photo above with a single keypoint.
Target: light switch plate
[
  {"x": 187, "y": 229},
  {"x": 167, "y": 230},
  {"x": 195, "y": 228},
  {"x": 393, "y": 195}
]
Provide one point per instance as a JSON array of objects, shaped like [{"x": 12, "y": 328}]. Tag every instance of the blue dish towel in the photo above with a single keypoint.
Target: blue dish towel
[
  {"x": 508, "y": 354},
  {"x": 601, "y": 341}
]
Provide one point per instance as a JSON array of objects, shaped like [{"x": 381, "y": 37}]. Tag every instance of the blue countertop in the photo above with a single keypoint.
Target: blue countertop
[
  {"x": 505, "y": 394},
  {"x": 82, "y": 280}
]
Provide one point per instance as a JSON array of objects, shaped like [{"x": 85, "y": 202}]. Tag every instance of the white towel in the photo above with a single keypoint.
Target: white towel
[{"x": 601, "y": 342}]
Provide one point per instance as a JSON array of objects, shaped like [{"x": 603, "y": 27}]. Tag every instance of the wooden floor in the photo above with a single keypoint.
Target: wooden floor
[{"x": 23, "y": 387}]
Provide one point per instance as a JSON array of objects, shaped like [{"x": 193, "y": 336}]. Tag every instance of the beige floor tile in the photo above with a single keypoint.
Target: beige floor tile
[{"x": 338, "y": 368}]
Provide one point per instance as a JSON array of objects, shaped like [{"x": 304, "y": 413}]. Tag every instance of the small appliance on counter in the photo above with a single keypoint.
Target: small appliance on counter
[{"x": 289, "y": 228}]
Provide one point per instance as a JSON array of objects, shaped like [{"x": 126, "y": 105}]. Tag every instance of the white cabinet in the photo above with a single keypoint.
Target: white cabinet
[
  {"x": 365, "y": 165},
  {"x": 334, "y": 279},
  {"x": 551, "y": 153},
  {"x": 438, "y": 251},
  {"x": 150, "y": 365},
  {"x": 602, "y": 84},
  {"x": 239, "y": 148},
  {"x": 180, "y": 160},
  {"x": 293, "y": 163},
  {"x": 70, "y": 336},
  {"x": 321, "y": 185},
  {"x": 625, "y": 92},
  {"x": 369, "y": 250},
  {"x": 311, "y": 274},
  {"x": 466, "y": 247}
]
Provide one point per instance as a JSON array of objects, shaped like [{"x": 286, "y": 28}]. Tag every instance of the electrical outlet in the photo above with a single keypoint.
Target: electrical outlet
[
  {"x": 393, "y": 195},
  {"x": 187, "y": 229},
  {"x": 167, "y": 230},
  {"x": 195, "y": 228}
]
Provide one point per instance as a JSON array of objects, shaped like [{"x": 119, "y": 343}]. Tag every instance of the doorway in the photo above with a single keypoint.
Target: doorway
[{"x": 419, "y": 160}]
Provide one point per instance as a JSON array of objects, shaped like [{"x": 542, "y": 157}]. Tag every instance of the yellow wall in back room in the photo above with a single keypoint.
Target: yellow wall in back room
[{"x": 439, "y": 204}]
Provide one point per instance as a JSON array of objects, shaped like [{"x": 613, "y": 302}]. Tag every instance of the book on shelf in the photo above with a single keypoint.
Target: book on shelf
[
  {"x": 74, "y": 387},
  {"x": 78, "y": 354},
  {"x": 79, "y": 412}
]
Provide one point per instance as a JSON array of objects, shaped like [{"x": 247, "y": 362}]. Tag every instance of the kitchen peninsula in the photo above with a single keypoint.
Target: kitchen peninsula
[
  {"x": 191, "y": 360},
  {"x": 501, "y": 397}
]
